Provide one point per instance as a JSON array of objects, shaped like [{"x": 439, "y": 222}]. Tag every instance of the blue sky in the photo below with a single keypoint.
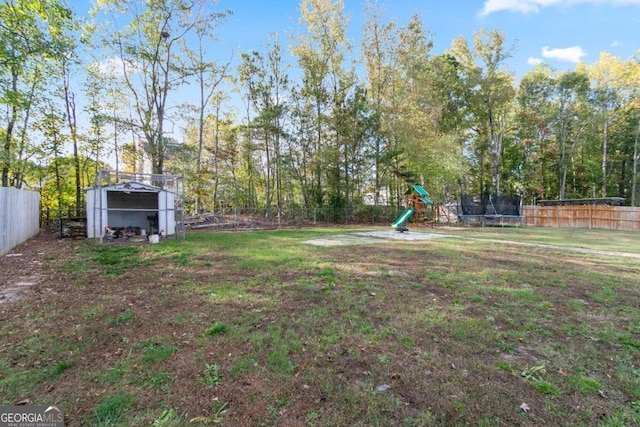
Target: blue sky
[{"x": 559, "y": 32}]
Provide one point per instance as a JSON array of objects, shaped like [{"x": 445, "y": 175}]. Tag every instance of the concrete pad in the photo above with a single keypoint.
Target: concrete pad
[
  {"x": 407, "y": 235},
  {"x": 372, "y": 238},
  {"x": 342, "y": 240}
]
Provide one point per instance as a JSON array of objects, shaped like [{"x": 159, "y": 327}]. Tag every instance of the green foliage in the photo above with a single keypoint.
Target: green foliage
[
  {"x": 545, "y": 387},
  {"x": 34, "y": 36},
  {"x": 118, "y": 260},
  {"x": 124, "y": 317},
  {"x": 216, "y": 328},
  {"x": 114, "y": 409},
  {"x": 211, "y": 375},
  {"x": 325, "y": 141},
  {"x": 156, "y": 353},
  {"x": 244, "y": 364},
  {"x": 167, "y": 418},
  {"x": 60, "y": 367},
  {"x": 584, "y": 386}
]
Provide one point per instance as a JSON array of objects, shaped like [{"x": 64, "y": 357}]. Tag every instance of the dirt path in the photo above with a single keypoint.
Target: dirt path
[{"x": 21, "y": 269}]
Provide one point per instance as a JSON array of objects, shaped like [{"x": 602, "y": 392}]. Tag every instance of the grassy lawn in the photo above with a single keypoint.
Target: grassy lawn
[
  {"x": 597, "y": 239},
  {"x": 260, "y": 329}
]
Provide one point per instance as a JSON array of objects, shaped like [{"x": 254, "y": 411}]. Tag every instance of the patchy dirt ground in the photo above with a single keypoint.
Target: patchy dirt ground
[
  {"x": 23, "y": 268},
  {"x": 359, "y": 335}
]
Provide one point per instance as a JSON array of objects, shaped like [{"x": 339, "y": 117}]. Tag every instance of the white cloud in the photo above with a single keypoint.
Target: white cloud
[
  {"x": 534, "y": 61},
  {"x": 570, "y": 54},
  {"x": 522, "y": 6},
  {"x": 115, "y": 66},
  {"x": 110, "y": 67},
  {"x": 616, "y": 43},
  {"x": 534, "y": 6}
]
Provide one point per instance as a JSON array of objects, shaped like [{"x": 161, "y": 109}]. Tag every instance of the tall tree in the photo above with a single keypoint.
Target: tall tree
[
  {"x": 429, "y": 119},
  {"x": 52, "y": 123},
  {"x": 490, "y": 95},
  {"x": 67, "y": 61},
  {"x": 29, "y": 33},
  {"x": 379, "y": 45},
  {"x": 150, "y": 41},
  {"x": 632, "y": 85},
  {"x": 570, "y": 121},
  {"x": 533, "y": 160},
  {"x": 413, "y": 96},
  {"x": 607, "y": 75},
  {"x": 266, "y": 86},
  {"x": 208, "y": 76},
  {"x": 97, "y": 133},
  {"x": 322, "y": 51}
]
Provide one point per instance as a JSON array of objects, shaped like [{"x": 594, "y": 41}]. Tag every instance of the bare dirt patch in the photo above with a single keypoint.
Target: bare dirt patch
[
  {"x": 21, "y": 269},
  {"x": 381, "y": 333}
]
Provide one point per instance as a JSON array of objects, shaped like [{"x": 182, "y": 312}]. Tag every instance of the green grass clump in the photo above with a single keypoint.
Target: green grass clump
[
  {"x": 156, "y": 353},
  {"x": 60, "y": 367},
  {"x": 113, "y": 410},
  {"x": 217, "y": 328},
  {"x": 116, "y": 260},
  {"x": 212, "y": 375}
]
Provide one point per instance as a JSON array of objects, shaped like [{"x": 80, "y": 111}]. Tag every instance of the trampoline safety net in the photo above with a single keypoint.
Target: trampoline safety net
[{"x": 491, "y": 210}]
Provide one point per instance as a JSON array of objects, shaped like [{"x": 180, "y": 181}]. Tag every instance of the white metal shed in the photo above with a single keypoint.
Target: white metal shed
[{"x": 130, "y": 204}]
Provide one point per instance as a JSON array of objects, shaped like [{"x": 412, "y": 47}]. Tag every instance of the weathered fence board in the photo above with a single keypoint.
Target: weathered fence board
[
  {"x": 584, "y": 216},
  {"x": 19, "y": 217}
]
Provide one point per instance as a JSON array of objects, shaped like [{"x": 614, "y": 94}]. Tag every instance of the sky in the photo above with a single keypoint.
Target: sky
[{"x": 558, "y": 32}]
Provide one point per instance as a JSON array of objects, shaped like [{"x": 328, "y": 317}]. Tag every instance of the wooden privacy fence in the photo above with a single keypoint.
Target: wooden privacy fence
[
  {"x": 19, "y": 217},
  {"x": 583, "y": 216}
]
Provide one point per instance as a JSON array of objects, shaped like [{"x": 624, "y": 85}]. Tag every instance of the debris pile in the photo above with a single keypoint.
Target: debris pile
[{"x": 234, "y": 221}]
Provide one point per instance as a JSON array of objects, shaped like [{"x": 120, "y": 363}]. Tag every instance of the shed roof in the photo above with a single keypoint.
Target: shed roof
[{"x": 131, "y": 186}]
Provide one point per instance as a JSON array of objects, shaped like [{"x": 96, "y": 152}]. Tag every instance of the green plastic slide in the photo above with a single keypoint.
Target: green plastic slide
[{"x": 404, "y": 217}]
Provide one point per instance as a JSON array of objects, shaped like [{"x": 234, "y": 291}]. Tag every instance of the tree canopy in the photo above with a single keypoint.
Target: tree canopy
[{"x": 316, "y": 125}]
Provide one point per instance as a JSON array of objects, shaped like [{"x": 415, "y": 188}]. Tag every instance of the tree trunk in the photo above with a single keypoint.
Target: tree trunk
[
  {"x": 19, "y": 174},
  {"x": 634, "y": 178},
  {"x": 267, "y": 189},
  {"x": 496, "y": 151},
  {"x": 605, "y": 143},
  {"x": 201, "y": 123},
  {"x": 216, "y": 156},
  {"x": 70, "y": 106},
  {"x": 8, "y": 138}
]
